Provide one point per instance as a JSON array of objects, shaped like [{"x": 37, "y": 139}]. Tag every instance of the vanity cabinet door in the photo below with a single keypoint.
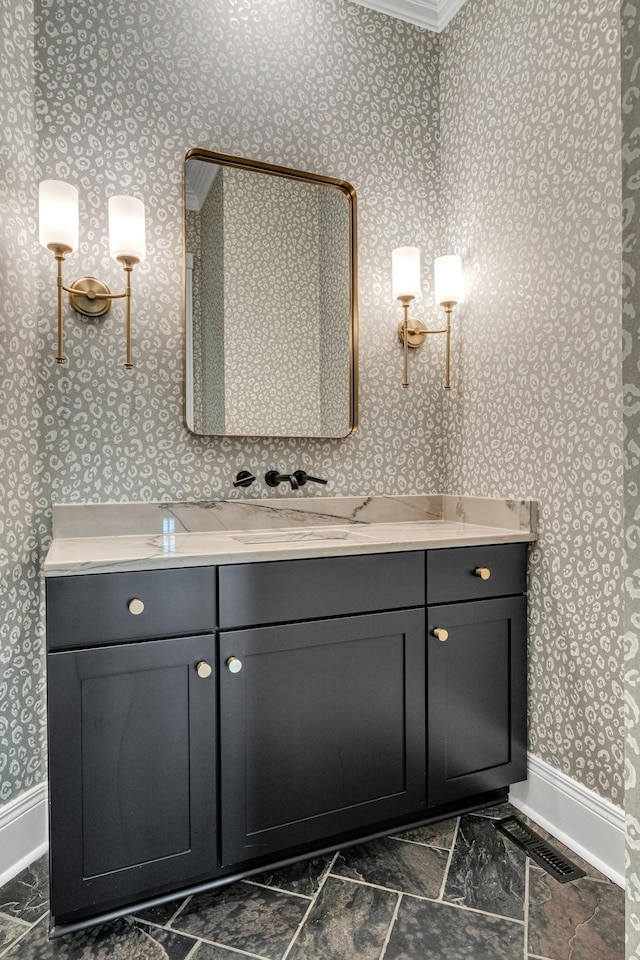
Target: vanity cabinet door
[
  {"x": 476, "y": 696},
  {"x": 131, "y": 770},
  {"x": 322, "y": 729}
]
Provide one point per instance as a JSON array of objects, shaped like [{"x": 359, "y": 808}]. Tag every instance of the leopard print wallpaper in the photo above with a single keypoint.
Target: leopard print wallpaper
[
  {"x": 530, "y": 120},
  {"x": 22, "y": 693},
  {"x": 631, "y": 373},
  {"x": 499, "y": 138}
]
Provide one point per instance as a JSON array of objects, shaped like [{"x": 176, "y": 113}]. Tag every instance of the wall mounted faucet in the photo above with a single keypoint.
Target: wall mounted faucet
[
  {"x": 272, "y": 479},
  {"x": 302, "y": 477},
  {"x": 297, "y": 479}
]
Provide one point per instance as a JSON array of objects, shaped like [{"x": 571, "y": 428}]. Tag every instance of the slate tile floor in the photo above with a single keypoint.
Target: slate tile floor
[{"x": 454, "y": 891}]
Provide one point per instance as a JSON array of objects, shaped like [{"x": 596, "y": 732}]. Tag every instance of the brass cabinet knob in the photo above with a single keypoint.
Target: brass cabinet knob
[
  {"x": 235, "y": 665},
  {"x": 483, "y": 572},
  {"x": 442, "y": 635},
  {"x": 136, "y": 607},
  {"x": 204, "y": 669}
]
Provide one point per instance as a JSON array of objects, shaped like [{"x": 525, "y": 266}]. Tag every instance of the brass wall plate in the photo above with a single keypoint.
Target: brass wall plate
[
  {"x": 417, "y": 333},
  {"x": 87, "y": 297}
]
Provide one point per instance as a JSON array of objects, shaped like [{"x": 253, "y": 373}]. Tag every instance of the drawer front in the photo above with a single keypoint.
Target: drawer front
[
  {"x": 455, "y": 574},
  {"x": 86, "y": 611},
  {"x": 259, "y": 593}
]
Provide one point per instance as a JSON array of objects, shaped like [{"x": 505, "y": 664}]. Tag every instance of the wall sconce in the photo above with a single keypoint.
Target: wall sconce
[
  {"x": 449, "y": 290},
  {"x": 59, "y": 233}
]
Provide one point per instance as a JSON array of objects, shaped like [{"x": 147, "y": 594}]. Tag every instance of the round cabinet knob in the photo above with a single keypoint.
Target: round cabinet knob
[
  {"x": 136, "y": 607},
  {"x": 235, "y": 665},
  {"x": 442, "y": 635},
  {"x": 483, "y": 572},
  {"x": 204, "y": 669}
]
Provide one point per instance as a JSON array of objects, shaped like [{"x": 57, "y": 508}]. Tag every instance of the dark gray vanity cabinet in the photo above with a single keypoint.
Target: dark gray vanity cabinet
[
  {"x": 132, "y": 733},
  {"x": 206, "y": 723},
  {"x": 322, "y": 726},
  {"x": 476, "y": 670},
  {"x": 322, "y": 731}
]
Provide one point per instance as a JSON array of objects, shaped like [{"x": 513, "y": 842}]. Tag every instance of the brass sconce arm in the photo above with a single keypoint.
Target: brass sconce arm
[
  {"x": 412, "y": 333},
  {"x": 449, "y": 290},
  {"x": 58, "y": 232},
  {"x": 91, "y": 298}
]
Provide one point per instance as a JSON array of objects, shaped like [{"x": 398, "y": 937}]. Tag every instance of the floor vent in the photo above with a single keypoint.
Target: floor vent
[{"x": 539, "y": 850}]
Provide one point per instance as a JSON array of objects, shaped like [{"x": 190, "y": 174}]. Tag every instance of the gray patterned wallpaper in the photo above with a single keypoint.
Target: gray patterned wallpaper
[
  {"x": 631, "y": 375},
  {"x": 271, "y": 282},
  {"x": 22, "y": 705},
  {"x": 124, "y": 90},
  {"x": 334, "y": 287},
  {"x": 530, "y": 117},
  {"x": 211, "y": 300}
]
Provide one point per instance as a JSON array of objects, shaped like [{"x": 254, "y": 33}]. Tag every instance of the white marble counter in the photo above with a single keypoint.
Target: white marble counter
[{"x": 106, "y": 538}]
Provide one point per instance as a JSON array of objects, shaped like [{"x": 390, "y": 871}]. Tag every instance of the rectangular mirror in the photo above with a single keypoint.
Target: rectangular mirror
[{"x": 270, "y": 300}]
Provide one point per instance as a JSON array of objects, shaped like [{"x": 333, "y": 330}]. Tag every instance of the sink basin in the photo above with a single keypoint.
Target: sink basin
[{"x": 330, "y": 534}]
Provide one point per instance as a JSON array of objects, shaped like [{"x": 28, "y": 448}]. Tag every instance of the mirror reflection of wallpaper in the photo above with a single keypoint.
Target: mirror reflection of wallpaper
[
  {"x": 204, "y": 239},
  {"x": 271, "y": 295},
  {"x": 334, "y": 289}
]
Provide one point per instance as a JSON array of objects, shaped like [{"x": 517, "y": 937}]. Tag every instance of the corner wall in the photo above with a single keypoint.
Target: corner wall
[
  {"x": 631, "y": 375},
  {"x": 531, "y": 185},
  {"x": 22, "y": 689}
]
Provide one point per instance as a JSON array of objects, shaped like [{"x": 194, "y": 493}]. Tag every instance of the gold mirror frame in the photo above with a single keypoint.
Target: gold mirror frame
[{"x": 240, "y": 163}]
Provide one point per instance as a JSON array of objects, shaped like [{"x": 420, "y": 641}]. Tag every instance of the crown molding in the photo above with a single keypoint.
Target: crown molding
[
  {"x": 199, "y": 175},
  {"x": 429, "y": 14}
]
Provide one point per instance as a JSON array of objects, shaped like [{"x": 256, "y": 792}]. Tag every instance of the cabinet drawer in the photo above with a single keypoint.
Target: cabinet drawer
[
  {"x": 453, "y": 575},
  {"x": 259, "y": 593},
  {"x": 85, "y": 611}
]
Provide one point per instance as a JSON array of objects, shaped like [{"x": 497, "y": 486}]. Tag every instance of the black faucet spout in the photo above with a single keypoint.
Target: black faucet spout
[{"x": 272, "y": 478}]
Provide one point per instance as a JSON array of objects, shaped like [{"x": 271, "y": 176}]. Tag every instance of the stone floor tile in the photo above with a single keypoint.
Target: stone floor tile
[
  {"x": 437, "y": 931},
  {"x": 211, "y": 951},
  {"x": 348, "y": 921},
  {"x": 580, "y": 920},
  {"x": 303, "y": 878},
  {"x": 10, "y": 930},
  {"x": 433, "y": 835},
  {"x": 405, "y": 867},
  {"x": 497, "y": 812},
  {"x": 161, "y": 914},
  {"x": 27, "y": 895},
  {"x": 487, "y": 871},
  {"x": 121, "y": 940},
  {"x": 244, "y": 916}
]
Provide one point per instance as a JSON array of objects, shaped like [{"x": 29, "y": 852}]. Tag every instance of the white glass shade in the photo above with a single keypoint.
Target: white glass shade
[
  {"x": 448, "y": 280},
  {"x": 405, "y": 272},
  {"x": 126, "y": 228},
  {"x": 58, "y": 214}
]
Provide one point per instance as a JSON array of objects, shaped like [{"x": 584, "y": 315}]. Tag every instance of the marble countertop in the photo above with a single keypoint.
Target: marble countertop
[{"x": 153, "y": 536}]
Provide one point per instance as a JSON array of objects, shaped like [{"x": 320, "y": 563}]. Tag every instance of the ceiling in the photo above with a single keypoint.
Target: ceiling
[{"x": 431, "y": 14}]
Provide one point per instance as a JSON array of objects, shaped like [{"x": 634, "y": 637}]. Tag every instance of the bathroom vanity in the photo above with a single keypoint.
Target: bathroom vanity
[{"x": 216, "y": 709}]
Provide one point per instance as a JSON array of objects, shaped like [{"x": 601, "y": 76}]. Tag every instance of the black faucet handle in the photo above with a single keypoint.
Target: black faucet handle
[
  {"x": 303, "y": 477},
  {"x": 244, "y": 479}
]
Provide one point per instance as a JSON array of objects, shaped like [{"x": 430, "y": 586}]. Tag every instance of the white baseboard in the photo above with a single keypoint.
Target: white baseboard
[
  {"x": 23, "y": 832},
  {"x": 591, "y": 826}
]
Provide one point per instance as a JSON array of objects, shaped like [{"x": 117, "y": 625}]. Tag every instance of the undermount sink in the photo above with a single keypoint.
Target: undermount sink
[{"x": 298, "y": 536}]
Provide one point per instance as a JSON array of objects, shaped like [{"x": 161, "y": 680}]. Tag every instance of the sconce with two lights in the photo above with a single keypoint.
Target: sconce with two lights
[
  {"x": 449, "y": 291},
  {"x": 59, "y": 233}
]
